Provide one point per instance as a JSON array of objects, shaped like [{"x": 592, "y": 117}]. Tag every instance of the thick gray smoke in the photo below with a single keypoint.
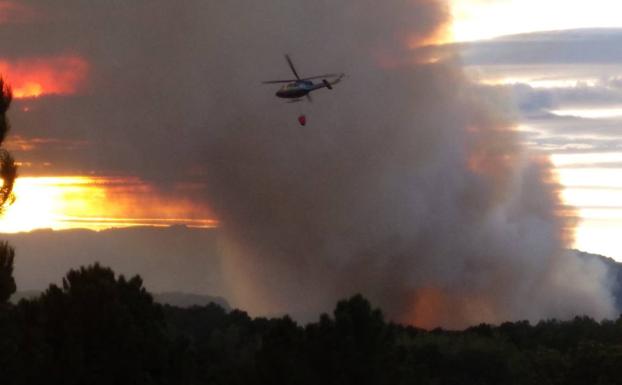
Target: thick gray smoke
[{"x": 407, "y": 184}]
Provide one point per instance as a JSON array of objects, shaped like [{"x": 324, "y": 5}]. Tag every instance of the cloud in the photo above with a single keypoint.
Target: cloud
[
  {"x": 556, "y": 59},
  {"x": 586, "y": 46},
  {"x": 583, "y": 117},
  {"x": 605, "y": 93},
  {"x": 568, "y": 145},
  {"x": 599, "y": 165}
]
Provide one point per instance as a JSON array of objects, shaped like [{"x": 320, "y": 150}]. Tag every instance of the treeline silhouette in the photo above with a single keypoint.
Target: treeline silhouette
[{"x": 99, "y": 328}]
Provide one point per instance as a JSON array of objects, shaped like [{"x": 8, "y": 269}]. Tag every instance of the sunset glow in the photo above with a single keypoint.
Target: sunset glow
[
  {"x": 63, "y": 75},
  {"x": 483, "y": 19},
  {"x": 575, "y": 131},
  {"x": 95, "y": 203}
]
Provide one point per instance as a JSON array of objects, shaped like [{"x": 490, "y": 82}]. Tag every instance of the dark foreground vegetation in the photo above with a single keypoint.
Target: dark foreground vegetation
[{"x": 98, "y": 328}]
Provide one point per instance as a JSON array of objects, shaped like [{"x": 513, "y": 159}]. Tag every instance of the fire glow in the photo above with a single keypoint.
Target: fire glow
[
  {"x": 95, "y": 203},
  {"x": 62, "y": 75}
]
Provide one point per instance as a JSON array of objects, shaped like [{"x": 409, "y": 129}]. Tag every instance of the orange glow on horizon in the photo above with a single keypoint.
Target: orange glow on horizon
[
  {"x": 428, "y": 309},
  {"x": 96, "y": 203},
  {"x": 434, "y": 307},
  {"x": 64, "y": 75}
]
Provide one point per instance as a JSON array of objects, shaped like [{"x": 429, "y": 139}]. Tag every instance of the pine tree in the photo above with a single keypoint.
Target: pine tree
[
  {"x": 8, "y": 174},
  {"x": 8, "y": 168},
  {"x": 7, "y": 282}
]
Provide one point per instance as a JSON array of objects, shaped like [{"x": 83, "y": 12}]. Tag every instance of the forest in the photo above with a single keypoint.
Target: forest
[{"x": 101, "y": 328}]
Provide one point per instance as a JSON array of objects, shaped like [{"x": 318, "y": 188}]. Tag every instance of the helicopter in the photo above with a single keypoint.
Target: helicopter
[{"x": 295, "y": 89}]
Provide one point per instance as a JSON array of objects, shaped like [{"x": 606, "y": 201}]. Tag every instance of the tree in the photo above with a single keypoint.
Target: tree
[
  {"x": 8, "y": 168},
  {"x": 354, "y": 347},
  {"x": 7, "y": 282},
  {"x": 95, "y": 328},
  {"x": 8, "y": 173}
]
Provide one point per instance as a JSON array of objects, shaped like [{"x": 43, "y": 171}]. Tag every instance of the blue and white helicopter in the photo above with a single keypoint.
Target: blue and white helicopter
[{"x": 295, "y": 89}]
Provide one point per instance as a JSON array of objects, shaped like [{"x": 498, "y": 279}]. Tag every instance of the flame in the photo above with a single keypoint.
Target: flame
[
  {"x": 428, "y": 309},
  {"x": 433, "y": 307},
  {"x": 96, "y": 203},
  {"x": 29, "y": 78}
]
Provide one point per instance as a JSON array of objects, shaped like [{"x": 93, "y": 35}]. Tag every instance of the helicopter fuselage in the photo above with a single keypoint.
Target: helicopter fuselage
[{"x": 298, "y": 89}]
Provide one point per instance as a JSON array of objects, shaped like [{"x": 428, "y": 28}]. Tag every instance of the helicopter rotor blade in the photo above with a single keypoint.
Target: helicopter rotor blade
[
  {"x": 309, "y": 98},
  {"x": 278, "y": 81},
  {"x": 322, "y": 76},
  {"x": 291, "y": 65}
]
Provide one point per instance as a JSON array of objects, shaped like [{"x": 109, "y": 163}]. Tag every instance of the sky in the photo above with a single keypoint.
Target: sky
[
  {"x": 563, "y": 70},
  {"x": 577, "y": 72},
  {"x": 420, "y": 193},
  {"x": 79, "y": 188},
  {"x": 485, "y": 19}
]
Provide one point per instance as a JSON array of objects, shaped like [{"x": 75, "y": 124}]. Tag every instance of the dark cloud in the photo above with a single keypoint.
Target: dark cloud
[
  {"x": 602, "y": 94},
  {"x": 548, "y": 124},
  {"x": 574, "y": 125},
  {"x": 555, "y": 134},
  {"x": 587, "y": 46}
]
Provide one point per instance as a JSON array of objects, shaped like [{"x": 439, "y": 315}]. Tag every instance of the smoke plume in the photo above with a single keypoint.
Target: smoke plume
[{"x": 408, "y": 183}]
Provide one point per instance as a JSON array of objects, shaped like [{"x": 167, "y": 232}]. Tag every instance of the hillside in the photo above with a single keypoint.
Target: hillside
[{"x": 615, "y": 273}]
